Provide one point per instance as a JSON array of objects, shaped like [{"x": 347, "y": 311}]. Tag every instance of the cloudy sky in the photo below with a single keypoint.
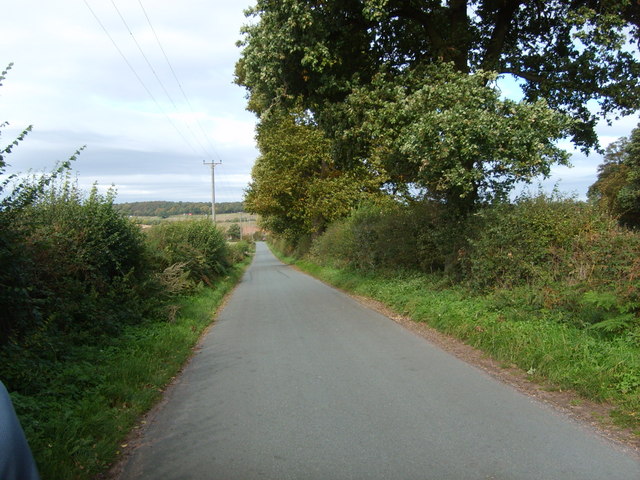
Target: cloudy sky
[
  {"x": 143, "y": 135},
  {"x": 73, "y": 85}
]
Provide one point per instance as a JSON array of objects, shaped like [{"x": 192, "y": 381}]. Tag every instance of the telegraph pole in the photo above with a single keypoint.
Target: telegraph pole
[{"x": 213, "y": 188}]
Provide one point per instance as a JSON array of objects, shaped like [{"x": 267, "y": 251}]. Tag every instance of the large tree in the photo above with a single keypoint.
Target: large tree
[
  {"x": 567, "y": 52},
  {"x": 295, "y": 186},
  {"x": 617, "y": 188},
  {"x": 329, "y": 57},
  {"x": 452, "y": 136}
]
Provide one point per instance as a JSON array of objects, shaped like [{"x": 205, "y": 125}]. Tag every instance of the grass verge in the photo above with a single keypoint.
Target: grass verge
[
  {"x": 75, "y": 429},
  {"x": 540, "y": 342}
]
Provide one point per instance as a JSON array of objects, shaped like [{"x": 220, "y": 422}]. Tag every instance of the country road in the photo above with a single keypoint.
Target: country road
[{"x": 298, "y": 381}]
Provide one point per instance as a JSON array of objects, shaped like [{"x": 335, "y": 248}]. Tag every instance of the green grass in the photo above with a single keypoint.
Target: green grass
[
  {"x": 94, "y": 399},
  {"x": 540, "y": 341}
]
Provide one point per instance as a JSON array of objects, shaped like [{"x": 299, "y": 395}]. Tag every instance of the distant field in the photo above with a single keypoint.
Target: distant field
[{"x": 248, "y": 222}]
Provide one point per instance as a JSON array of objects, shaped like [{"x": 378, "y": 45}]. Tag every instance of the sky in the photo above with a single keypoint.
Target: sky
[
  {"x": 146, "y": 137},
  {"x": 73, "y": 85}
]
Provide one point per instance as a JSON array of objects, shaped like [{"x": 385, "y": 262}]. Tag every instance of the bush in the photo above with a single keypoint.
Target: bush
[
  {"x": 234, "y": 232},
  {"x": 81, "y": 264},
  {"x": 568, "y": 255},
  {"x": 335, "y": 246},
  {"x": 555, "y": 252},
  {"x": 417, "y": 236},
  {"x": 238, "y": 251},
  {"x": 575, "y": 255},
  {"x": 197, "y": 244},
  {"x": 82, "y": 279},
  {"x": 524, "y": 242}
]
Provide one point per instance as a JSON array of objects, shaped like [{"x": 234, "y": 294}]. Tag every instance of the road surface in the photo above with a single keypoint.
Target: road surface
[{"x": 298, "y": 381}]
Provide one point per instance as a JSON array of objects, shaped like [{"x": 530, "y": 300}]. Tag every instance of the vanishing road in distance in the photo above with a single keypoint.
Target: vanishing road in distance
[{"x": 298, "y": 381}]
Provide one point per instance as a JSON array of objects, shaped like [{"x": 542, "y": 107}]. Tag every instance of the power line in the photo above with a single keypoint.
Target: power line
[
  {"x": 143, "y": 54},
  {"x": 155, "y": 74},
  {"x": 135, "y": 73},
  {"x": 175, "y": 77}
]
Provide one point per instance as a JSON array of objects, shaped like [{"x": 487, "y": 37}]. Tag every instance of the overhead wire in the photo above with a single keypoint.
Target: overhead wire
[
  {"x": 135, "y": 73},
  {"x": 155, "y": 74},
  {"x": 175, "y": 77}
]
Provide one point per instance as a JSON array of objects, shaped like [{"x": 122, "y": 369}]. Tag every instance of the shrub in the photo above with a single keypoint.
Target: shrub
[
  {"x": 234, "y": 232},
  {"x": 569, "y": 255},
  {"x": 335, "y": 245},
  {"x": 417, "y": 236},
  {"x": 524, "y": 242},
  {"x": 198, "y": 244},
  {"x": 238, "y": 251},
  {"x": 81, "y": 264},
  {"x": 547, "y": 252}
]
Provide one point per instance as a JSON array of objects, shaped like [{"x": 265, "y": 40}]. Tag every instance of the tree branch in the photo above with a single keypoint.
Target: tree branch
[
  {"x": 459, "y": 29},
  {"x": 424, "y": 19},
  {"x": 530, "y": 77},
  {"x": 503, "y": 22}
]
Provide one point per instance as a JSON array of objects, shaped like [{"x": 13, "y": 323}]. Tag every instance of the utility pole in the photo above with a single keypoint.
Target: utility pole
[{"x": 213, "y": 188}]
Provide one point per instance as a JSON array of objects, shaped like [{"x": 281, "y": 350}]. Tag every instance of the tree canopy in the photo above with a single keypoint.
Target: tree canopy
[
  {"x": 617, "y": 188},
  {"x": 407, "y": 90},
  {"x": 568, "y": 53},
  {"x": 451, "y": 135},
  {"x": 295, "y": 186}
]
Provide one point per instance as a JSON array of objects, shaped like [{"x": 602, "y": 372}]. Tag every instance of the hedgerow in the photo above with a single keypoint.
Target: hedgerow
[{"x": 565, "y": 254}]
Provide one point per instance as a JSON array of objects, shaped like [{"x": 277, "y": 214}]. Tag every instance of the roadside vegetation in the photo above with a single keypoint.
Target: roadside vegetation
[
  {"x": 97, "y": 315},
  {"x": 389, "y": 157}
]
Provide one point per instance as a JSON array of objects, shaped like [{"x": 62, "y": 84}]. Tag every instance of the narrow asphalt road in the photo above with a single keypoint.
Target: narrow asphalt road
[{"x": 298, "y": 381}]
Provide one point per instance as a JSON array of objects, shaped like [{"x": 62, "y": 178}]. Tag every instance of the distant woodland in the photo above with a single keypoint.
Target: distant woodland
[{"x": 165, "y": 209}]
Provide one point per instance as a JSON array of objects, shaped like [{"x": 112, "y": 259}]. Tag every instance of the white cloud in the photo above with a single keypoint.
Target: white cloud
[
  {"x": 229, "y": 131},
  {"x": 72, "y": 84},
  {"x": 74, "y": 87}
]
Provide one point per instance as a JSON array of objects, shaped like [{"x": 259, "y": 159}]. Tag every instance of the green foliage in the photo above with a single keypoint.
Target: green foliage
[
  {"x": 239, "y": 251},
  {"x": 617, "y": 188},
  {"x": 405, "y": 95},
  {"x": 568, "y": 53},
  {"x": 566, "y": 255},
  {"x": 388, "y": 235},
  {"x": 82, "y": 278},
  {"x": 380, "y": 236},
  {"x": 162, "y": 209},
  {"x": 523, "y": 242},
  {"x": 297, "y": 47},
  {"x": 619, "y": 318},
  {"x": 296, "y": 188},
  {"x": 435, "y": 128},
  {"x": 197, "y": 244},
  {"x": 234, "y": 232},
  {"x": 73, "y": 257}
]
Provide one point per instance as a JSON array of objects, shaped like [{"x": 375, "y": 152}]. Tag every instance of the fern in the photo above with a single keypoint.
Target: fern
[{"x": 615, "y": 324}]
